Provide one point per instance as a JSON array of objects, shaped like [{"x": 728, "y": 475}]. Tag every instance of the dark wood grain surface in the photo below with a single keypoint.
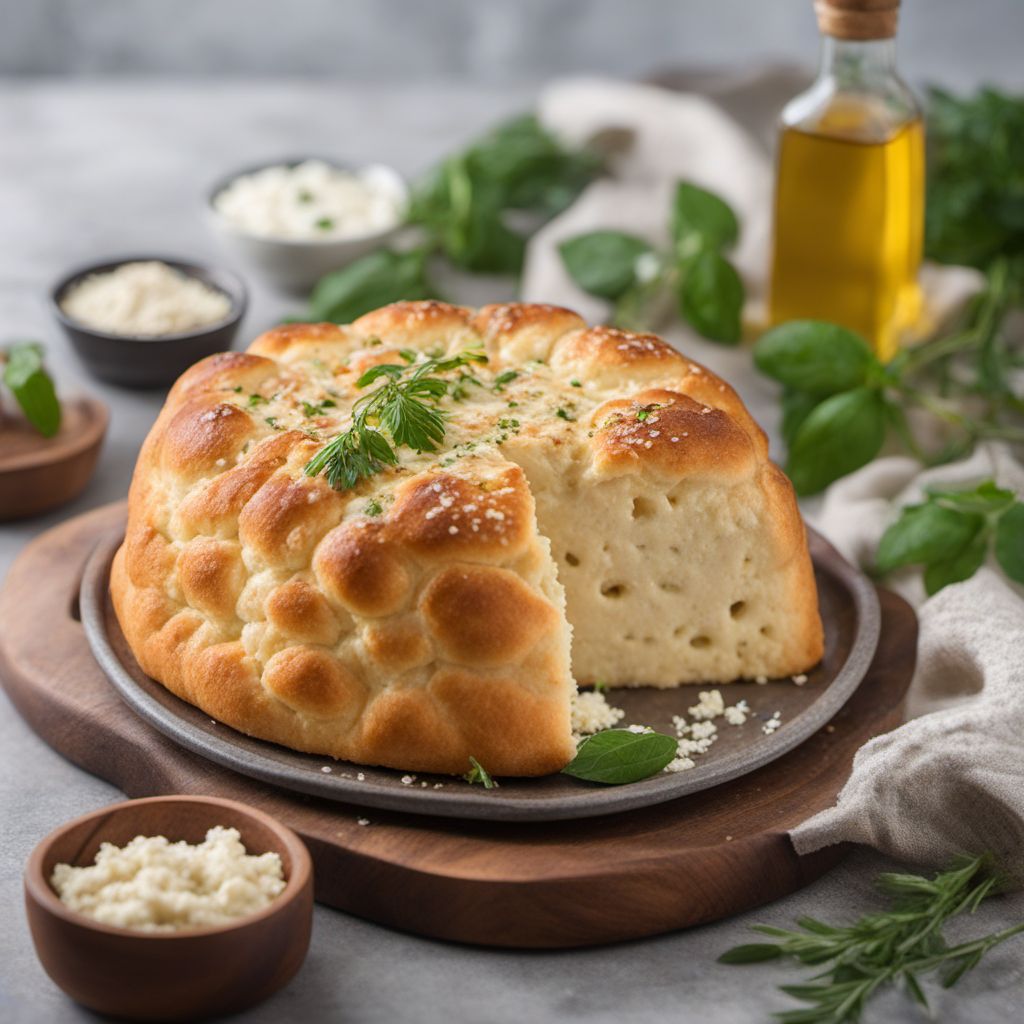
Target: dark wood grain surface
[{"x": 541, "y": 885}]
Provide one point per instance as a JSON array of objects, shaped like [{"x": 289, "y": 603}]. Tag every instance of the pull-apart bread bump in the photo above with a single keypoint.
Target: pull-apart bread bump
[{"x": 590, "y": 482}]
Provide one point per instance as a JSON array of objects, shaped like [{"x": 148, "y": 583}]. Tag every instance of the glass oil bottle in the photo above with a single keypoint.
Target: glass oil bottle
[{"x": 849, "y": 194}]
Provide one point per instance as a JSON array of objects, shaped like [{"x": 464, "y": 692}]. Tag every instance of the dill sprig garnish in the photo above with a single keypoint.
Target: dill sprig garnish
[
  {"x": 899, "y": 944},
  {"x": 404, "y": 412}
]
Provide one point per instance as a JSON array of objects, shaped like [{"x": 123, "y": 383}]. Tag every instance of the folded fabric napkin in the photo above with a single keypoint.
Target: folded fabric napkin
[{"x": 951, "y": 779}]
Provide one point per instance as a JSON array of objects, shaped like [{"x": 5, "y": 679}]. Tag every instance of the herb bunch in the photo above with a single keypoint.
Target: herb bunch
[
  {"x": 464, "y": 208},
  {"x": 950, "y": 534},
  {"x": 895, "y": 946},
  {"x": 694, "y": 272},
  {"x": 975, "y": 194},
  {"x": 403, "y": 412},
  {"x": 840, "y": 402},
  {"x": 32, "y": 387}
]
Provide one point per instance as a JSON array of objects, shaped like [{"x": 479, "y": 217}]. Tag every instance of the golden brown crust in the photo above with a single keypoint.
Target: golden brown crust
[{"x": 416, "y": 619}]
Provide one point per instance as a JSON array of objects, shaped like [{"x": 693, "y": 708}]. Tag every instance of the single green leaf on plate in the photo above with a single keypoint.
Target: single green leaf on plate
[
  {"x": 617, "y": 756},
  {"x": 479, "y": 774},
  {"x": 711, "y": 297},
  {"x": 1010, "y": 542},
  {"x": 814, "y": 357},
  {"x": 700, "y": 220},
  {"x": 924, "y": 534},
  {"x": 380, "y": 278},
  {"x": 796, "y": 407},
  {"x": 751, "y": 953},
  {"x": 603, "y": 263},
  {"x": 843, "y": 433},
  {"x": 958, "y": 567},
  {"x": 32, "y": 387}
]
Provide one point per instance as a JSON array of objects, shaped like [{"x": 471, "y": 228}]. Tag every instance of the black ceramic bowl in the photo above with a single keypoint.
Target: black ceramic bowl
[{"x": 150, "y": 362}]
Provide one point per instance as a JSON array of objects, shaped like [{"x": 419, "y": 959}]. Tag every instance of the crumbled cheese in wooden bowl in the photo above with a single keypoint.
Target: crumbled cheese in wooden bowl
[
  {"x": 313, "y": 201},
  {"x": 154, "y": 885},
  {"x": 146, "y": 299}
]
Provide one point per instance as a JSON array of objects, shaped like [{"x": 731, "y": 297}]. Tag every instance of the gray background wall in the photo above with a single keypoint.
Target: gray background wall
[{"x": 958, "y": 42}]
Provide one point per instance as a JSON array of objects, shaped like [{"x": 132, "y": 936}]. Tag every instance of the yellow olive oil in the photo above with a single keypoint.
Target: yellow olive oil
[{"x": 849, "y": 220}]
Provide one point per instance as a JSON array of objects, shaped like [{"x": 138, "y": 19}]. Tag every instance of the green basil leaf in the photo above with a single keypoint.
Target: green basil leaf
[
  {"x": 32, "y": 387},
  {"x": 984, "y": 498},
  {"x": 1010, "y": 542},
  {"x": 814, "y": 356},
  {"x": 603, "y": 263},
  {"x": 700, "y": 219},
  {"x": 617, "y": 756},
  {"x": 375, "y": 280},
  {"x": 840, "y": 435},
  {"x": 751, "y": 953},
  {"x": 961, "y": 566},
  {"x": 796, "y": 407},
  {"x": 924, "y": 534},
  {"x": 711, "y": 297}
]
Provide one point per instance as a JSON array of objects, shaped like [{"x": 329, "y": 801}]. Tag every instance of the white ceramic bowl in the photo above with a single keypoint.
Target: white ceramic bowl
[{"x": 295, "y": 265}]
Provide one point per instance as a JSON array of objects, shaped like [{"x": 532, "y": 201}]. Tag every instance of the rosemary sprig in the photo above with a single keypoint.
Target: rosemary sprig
[
  {"x": 897, "y": 945},
  {"x": 403, "y": 412}
]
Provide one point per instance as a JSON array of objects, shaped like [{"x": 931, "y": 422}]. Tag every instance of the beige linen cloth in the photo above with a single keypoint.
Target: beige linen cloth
[{"x": 951, "y": 779}]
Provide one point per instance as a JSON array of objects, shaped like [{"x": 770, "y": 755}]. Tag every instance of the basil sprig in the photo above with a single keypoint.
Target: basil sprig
[
  {"x": 694, "y": 272},
  {"x": 376, "y": 280},
  {"x": 32, "y": 386},
  {"x": 462, "y": 208},
  {"x": 951, "y": 532},
  {"x": 840, "y": 403},
  {"x": 618, "y": 756}
]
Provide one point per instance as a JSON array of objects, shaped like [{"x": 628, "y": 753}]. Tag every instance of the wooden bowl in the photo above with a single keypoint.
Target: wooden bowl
[
  {"x": 39, "y": 473},
  {"x": 170, "y": 976}
]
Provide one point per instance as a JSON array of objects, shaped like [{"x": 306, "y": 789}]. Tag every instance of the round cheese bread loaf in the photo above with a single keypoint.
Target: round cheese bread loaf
[{"x": 592, "y": 484}]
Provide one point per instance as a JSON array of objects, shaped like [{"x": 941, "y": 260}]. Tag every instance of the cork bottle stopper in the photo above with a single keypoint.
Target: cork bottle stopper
[{"x": 857, "y": 19}]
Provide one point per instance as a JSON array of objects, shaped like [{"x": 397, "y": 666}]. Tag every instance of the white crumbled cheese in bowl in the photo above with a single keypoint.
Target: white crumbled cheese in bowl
[
  {"x": 145, "y": 300},
  {"x": 313, "y": 201},
  {"x": 154, "y": 885}
]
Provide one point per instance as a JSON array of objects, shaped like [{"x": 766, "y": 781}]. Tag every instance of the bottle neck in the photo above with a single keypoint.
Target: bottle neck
[{"x": 852, "y": 63}]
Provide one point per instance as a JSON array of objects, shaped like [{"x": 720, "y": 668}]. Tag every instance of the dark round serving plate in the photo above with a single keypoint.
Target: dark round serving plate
[{"x": 849, "y": 610}]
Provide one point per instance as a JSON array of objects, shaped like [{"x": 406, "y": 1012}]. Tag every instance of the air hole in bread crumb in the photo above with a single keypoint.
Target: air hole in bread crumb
[
  {"x": 675, "y": 550},
  {"x": 701, "y": 641},
  {"x": 571, "y": 559},
  {"x": 766, "y": 631},
  {"x": 671, "y": 588},
  {"x": 679, "y": 631},
  {"x": 737, "y": 608},
  {"x": 643, "y": 508},
  {"x": 649, "y": 640},
  {"x": 613, "y": 589},
  {"x": 673, "y": 500}
]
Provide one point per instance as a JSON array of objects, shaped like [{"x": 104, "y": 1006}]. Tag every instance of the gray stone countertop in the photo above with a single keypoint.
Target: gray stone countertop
[{"x": 89, "y": 170}]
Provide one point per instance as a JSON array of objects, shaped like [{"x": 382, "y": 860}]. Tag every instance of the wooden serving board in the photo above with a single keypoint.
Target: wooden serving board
[{"x": 541, "y": 885}]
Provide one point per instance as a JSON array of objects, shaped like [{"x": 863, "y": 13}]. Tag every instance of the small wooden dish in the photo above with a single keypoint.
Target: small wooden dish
[
  {"x": 170, "y": 976},
  {"x": 39, "y": 473}
]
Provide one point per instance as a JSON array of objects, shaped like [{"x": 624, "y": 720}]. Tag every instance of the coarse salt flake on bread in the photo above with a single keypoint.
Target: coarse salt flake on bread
[{"x": 592, "y": 486}]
